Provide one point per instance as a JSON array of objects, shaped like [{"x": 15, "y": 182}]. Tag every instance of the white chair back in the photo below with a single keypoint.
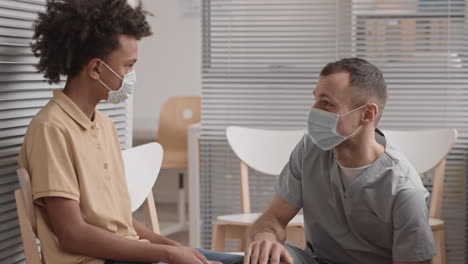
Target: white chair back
[
  {"x": 427, "y": 150},
  {"x": 142, "y": 165},
  {"x": 266, "y": 151},
  {"x": 423, "y": 148}
]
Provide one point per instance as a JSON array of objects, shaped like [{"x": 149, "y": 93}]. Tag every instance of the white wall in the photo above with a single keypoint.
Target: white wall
[{"x": 169, "y": 63}]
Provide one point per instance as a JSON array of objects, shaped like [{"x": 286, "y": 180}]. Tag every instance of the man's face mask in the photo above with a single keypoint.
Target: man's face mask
[
  {"x": 322, "y": 127},
  {"x": 126, "y": 88}
]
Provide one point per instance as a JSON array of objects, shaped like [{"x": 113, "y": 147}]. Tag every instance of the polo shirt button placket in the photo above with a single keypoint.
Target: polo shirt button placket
[
  {"x": 95, "y": 134},
  {"x": 94, "y": 131},
  {"x": 106, "y": 167}
]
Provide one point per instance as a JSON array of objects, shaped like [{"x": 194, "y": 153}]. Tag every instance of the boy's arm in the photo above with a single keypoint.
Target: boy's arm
[
  {"x": 154, "y": 238},
  {"x": 78, "y": 237}
]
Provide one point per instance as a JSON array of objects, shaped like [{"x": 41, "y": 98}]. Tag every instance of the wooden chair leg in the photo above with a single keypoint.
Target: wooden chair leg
[
  {"x": 242, "y": 244},
  {"x": 218, "y": 242},
  {"x": 151, "y": 217},
  {"x": 31, "y": 252},
  {"x": 441, "y": 257},
  {"x": 239, "y": 233}
]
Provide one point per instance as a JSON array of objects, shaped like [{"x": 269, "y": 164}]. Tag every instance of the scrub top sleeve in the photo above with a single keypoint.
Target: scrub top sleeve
[
  {"x": 413, "y": 240},
  {"x": 289, "y": 183}
]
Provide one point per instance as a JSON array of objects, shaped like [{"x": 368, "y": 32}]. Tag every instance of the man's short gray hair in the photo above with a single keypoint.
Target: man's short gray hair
[{"x": 364, "y": 76}]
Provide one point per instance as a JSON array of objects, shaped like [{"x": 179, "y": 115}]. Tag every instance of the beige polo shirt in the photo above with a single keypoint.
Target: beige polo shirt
[{"x": 68, "y": 155}]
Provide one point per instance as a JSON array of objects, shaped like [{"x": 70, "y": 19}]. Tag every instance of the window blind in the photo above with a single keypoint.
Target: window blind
[
  {"x": 262, "y": 58},
  {"x": 23, "y": 92}
]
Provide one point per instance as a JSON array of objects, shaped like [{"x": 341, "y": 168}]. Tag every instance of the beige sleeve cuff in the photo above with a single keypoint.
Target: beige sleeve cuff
[{"x": 56, "y": 194}]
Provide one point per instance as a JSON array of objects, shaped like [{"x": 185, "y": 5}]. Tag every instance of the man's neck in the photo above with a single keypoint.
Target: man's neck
[
  {"x": 359, "y": 151},
  {"x": 79, "y": 93}
]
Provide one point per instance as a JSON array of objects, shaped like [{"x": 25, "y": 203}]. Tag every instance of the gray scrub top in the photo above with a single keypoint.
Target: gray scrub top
[{"x": 381, "y": 217}]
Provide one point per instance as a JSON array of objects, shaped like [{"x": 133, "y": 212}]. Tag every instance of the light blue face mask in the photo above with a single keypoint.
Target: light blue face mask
[{"x": 322, "y": 128}]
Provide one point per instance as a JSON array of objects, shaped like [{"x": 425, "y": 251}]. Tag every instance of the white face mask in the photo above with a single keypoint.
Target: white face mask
[
  {"x": 128, "y": 85},
  {"x": 322, "y": 127}
]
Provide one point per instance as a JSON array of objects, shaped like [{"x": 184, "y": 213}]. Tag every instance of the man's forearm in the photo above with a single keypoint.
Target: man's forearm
[
  {"x": 149, "y": 235},
  {"x": 266, "y": 227},
  {"x": 95, "y": 242}
]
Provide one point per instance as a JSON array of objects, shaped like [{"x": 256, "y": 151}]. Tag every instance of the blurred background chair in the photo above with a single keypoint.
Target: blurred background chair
[
  {"x": 266, "y": 151},
  {"x": 176, "y": 115},
  {"x": 427, "y": 151}
]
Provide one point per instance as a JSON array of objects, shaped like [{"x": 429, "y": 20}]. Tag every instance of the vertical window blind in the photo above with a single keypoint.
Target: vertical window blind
[
  {"x": 262, "y": 58},
  {"x": 23, "y": 92}
]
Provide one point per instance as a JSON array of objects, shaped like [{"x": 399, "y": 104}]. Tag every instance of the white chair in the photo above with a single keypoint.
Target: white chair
[
  {"x": 427, "y": 150},
  {"x": 266, "y": 151},
  {"x": 142, "y": 165}
]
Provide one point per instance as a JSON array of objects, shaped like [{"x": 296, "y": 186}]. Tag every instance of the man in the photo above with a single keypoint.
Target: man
[
  {"x": 72, "y": 151},
  {"x": 363, "y": 202}
]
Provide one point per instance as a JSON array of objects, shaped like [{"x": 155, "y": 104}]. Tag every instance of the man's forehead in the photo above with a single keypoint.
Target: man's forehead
[{"x": 333, "y": 83}]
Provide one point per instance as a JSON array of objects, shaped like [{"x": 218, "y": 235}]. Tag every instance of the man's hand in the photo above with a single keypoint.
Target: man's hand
[
  {"x": 268, "y": 233},
  {"x": 186, "y": 255},
  {"x": 266, "y": 247}
]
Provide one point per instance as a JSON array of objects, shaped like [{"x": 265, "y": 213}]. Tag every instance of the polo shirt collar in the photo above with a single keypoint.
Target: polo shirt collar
[{"x": 69, "y": 107}]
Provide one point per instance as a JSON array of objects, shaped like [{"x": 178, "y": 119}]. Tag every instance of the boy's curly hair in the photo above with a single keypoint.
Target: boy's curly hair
[{"x": 72, "y": 32}]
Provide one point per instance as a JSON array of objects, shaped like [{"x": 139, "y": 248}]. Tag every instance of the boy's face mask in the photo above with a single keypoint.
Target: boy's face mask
[{"x": 126, "y": 88}]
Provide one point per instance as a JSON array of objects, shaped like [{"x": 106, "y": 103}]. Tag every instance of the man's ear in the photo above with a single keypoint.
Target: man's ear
[
  {"x": 371, "y": 113},
  {"x": 95, "y": 68}
]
